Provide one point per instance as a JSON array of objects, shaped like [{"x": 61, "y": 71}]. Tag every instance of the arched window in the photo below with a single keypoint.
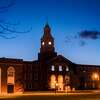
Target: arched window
[
  {"x": 60, "y": 83},
  {"x": 52, "y": 81},
  {"x": 60, "y": 68},
  {"x": 11, "y": 75},
  {"x": 60, "y": 79},
  {"x": 52, "y": 68}
]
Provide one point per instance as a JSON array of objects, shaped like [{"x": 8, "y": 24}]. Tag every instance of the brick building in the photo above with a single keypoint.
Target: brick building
[{"x": 51, "y": 71}]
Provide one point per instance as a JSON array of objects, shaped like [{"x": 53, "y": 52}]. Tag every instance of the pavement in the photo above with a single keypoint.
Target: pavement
[{"x": 48, "y": 93}]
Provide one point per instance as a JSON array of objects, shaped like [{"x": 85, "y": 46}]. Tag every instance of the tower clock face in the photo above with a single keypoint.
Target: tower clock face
[
  {"x": 49, "y": 43},
  {"x": 42, "y": 43}
]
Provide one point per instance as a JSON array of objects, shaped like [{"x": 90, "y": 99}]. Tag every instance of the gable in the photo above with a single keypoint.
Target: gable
[{"x": 61, "y": 61}]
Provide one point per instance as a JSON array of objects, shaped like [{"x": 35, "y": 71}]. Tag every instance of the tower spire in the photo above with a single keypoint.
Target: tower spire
[{"x": 47, "y": 32}]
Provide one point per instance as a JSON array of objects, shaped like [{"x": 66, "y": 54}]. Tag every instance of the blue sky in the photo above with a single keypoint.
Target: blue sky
[{"x": 65, "y": 17}]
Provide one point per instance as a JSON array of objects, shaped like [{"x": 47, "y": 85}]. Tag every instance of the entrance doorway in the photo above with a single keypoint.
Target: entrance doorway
[{"x": 10, "y": 88}]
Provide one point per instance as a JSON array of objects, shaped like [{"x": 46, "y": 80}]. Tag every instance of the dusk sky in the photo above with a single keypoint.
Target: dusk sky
[{"x": 66, "y": 18}]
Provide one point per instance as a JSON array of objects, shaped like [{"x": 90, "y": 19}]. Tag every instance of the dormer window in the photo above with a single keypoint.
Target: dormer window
[
  {"x": 52, "y": 68},
  {"x": 60, "y": 68},
  {"x": 49, "y": 42},
  {"x": 42, "y": 43}
]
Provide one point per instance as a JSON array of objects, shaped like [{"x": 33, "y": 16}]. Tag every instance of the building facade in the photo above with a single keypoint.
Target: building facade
[{"x": 50, "y": 72}]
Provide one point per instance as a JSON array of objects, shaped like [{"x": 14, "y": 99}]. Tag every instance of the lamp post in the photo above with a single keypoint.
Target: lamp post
[{"x": 56, "y": 86}]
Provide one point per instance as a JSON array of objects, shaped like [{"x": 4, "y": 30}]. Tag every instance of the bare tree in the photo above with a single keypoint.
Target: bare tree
[{"x": 8, "y": 30}]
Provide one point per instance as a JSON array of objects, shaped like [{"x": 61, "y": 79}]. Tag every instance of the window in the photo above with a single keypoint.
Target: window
[
  {"x": 52, "y": 81},
  {"x": 52, "y": 68},
  {"x": 67, "y": 69},
  {"x": 60, "y": 83},
  {"x": 60, "y": 68},
  {"x": 11, "y": 75},
  {"x": 49, "y": 43}
]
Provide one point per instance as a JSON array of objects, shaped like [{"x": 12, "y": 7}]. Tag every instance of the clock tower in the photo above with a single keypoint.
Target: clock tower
[{"x": 47, "y": 50}]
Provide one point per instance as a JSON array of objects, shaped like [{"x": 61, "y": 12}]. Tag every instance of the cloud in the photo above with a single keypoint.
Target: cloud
[
  {"x": 89, "y": 35},
  {"x": 82, "y": 37}
]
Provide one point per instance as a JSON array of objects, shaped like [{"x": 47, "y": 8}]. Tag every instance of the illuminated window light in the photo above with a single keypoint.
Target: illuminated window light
[
  {"x": 95, "y": 76},
  {"x": 60, "y": 68},
  {"x": 10, "y": 75},
  {"x": 67, "y": 69},
  {"x": 52, "y": 68},
  {"x": 53, "y": 81}
]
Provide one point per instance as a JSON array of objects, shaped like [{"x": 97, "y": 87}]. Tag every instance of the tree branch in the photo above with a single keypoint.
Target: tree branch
[{"x": 8, "y": 30}]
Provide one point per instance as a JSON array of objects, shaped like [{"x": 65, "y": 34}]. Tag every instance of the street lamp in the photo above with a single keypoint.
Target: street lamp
[{"x": 56, "y": 86}]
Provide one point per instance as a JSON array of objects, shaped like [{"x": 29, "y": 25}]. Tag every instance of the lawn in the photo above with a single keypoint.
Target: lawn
[{"x": 55, "y": 97}]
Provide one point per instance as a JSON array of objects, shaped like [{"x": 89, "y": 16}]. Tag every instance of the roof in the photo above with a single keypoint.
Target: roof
[{"x": 61, "y": 58}]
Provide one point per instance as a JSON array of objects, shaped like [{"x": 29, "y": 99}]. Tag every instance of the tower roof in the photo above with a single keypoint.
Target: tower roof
[{"x": 47, "y": 31}]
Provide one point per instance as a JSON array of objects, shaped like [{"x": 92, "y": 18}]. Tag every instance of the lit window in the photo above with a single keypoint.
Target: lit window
[
  {"x": 49, "y": 43},
  {"x": 95, "y": 76},
  {"x": 10, "y": 75},
  {"x": 60, "y": 83},
  {"x": 60, "y": 68},
  {"x": 52, "y": 81},
  {"x": 53, "y": 68},
  {"x": 42, "y": 43},
  {"x": 67, "y": 69}
]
